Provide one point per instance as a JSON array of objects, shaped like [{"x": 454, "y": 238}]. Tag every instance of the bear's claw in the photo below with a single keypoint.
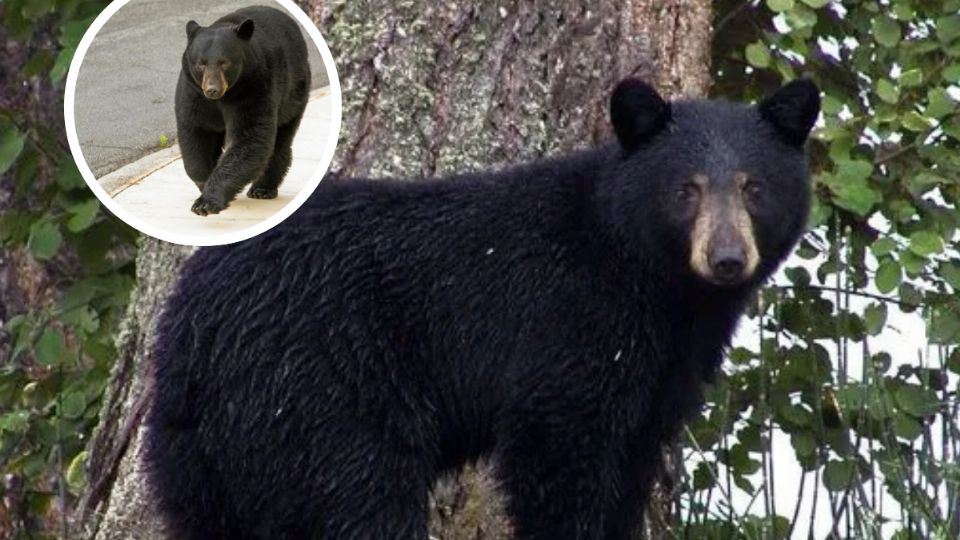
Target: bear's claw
[
  {"x": 262, "y": 193},
  {"x": 206, "y": 207}
]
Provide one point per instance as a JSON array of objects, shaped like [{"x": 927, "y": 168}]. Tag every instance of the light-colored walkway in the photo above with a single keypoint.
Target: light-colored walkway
[{"x": 157, "y": 190}]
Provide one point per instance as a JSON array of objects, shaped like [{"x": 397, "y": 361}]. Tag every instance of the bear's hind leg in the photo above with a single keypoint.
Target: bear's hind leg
[
  {"x": 185, "y": 490},
  {"x": 373, "y": 490},
  {"x": 200, "y": 150},
  {"x": 266, "y": 186},
  {"x": 561, "y": 485}
]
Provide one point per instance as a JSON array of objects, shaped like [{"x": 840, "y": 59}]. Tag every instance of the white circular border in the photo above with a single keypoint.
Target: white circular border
[{"x": 201, "y": 240}]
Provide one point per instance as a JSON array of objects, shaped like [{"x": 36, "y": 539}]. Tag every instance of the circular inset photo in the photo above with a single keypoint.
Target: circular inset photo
[{"x": 202, "y": 122}]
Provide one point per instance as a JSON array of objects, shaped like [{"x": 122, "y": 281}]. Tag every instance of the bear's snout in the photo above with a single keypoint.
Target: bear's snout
[
  {"x": 214, "y": 83},
  {"x": 727, "y": 263},
  {"x": 723, "y": 247}
]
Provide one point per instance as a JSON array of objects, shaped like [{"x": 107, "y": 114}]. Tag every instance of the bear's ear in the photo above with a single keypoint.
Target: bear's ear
[
  {"x": 793, "y": 109},
  {"x": 637, "y": 112},
  {"x": 192, "y": 28},
  {"x": 245, "y": 29}
]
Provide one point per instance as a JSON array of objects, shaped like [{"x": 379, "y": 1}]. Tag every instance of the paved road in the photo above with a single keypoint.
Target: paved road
[{"x": 124, "y": 97}]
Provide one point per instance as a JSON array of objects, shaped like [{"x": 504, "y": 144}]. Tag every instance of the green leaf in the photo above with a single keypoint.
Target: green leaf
[
  {"x": 881, "y": 362},
  {"x": 73, "y": 32},
  {"x": 911, "y": 77},
  {"x": 68, "y": 177},
  {"x": 948, "y": 28},
  {"x": 39, "y": 63},
  {"x": 801, "y": 18},
  {"x": 912, "y": 263},
  {"x": 798, "y": 275},
  {"x": 943, "y": 325},
  {"x": 11, "y": 144},
  {"x": 887, "y": 91},
  {"x": 15, "y": 422},
  {"x": 848, "y": 171},
  {"x": 950, "y": 272},
  {"x": 903, "y": 10},
  {"x": 77, "y": 295},
  {"x": 816, "y": 4},
  {"x": 888, "y": 276},
  {"x": 795, "y": 414},
  {"x": 778, "y": 6},
  {"x": 758, "y": 55},
  {"x": 738, "y": 458},
  {"x": 804, "y": 443},
  {"x": 35, "y": 9},
  {"x": 952, "y": 127},
  {"x": 77, "y": 472},
  {"x": 874, "y": 318},
  {"x": 917, "y": 400},
  {"x": 939, "y": 103},
  {"x": 837, "y": 475},
  {"x": 858, "y": 197},
  {"x": 883, "y": 246},
  {"x": 72, "y": 405},
  {"x": 703, "y": 477},
  {"x": 44, "y": 240},
  {"x": 62, "y": 65},
  {"x": 915, "y": 122},
  {"x": 925, "y": 243},
  {"x": 743, "y": 483},
  {"x": 924, "y": 181},
  {"x": 83, "y": 215},
  {"x": 886, "y": 31},
  {"x": 831, "y": 105},
  {"x": 51, "y": 349},
  {"x": 906, "y": 427},
  {"x": 910, "y": 297},
  {"x": 850, "y": 186},
  {"x": 953, "y": 361},
  {"x": 952, "y": 73},
  {"x": 83, "y": 318}
]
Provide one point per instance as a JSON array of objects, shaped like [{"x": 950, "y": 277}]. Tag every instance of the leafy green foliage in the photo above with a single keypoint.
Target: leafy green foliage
[
  {"x": 886, "y": 164},
  {"x": 78, "y": 261}
]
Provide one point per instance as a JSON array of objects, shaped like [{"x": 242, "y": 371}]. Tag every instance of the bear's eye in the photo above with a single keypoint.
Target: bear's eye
[
  {"x": 687, "y": 193},
  {"x": 753, "y": 190},
  {"x": 201, "y": 67}
]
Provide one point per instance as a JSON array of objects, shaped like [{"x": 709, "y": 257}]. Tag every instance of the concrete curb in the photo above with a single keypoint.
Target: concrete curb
[{"x": 133, "y": 173}]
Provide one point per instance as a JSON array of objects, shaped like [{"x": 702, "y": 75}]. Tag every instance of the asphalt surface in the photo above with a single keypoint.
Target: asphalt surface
[{"x": 125, "y": 86}]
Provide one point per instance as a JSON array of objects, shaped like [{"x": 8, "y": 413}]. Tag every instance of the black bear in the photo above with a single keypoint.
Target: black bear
[
  {"x": 557, "y": 317},
  {"x": 244, "y": 84}
]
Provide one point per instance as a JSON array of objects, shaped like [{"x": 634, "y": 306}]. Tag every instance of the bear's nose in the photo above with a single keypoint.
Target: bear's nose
[
  {"x": 727, "y": 263},
  {"x": 212, "y": 93}
]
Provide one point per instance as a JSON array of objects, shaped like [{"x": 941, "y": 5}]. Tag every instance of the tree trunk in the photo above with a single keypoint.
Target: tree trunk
[{"x": 429, "y": 88}]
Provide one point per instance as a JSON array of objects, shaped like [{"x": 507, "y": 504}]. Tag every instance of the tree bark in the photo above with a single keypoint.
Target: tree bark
[{"x": 429, "y": 88}]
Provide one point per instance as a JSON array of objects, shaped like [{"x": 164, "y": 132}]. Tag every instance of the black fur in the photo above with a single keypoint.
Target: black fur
[
  {"x": 793, "y": 110},
  {"x": 313, "y": 382},
  {"x": 268, "y": 85},
  {"x": 637, "y": 112}
]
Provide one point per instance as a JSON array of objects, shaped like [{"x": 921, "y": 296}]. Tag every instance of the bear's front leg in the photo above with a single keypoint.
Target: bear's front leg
[
  {"x": 564, "y": 482},
  {"x": 250, "y": 140},
  {"x": 266, "y": 186},
  {"x": 200, "y": 150}
]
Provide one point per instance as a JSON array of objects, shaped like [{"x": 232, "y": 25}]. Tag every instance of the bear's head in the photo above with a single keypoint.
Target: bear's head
[
  {"x": 720, "y": 191},
  {"x": 215, "y": 55}
]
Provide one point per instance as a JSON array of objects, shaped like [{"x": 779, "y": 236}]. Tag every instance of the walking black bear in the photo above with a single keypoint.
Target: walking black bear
[
  {"x": 243, "y": 87},
  {"x": 557, "y": 317}
]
